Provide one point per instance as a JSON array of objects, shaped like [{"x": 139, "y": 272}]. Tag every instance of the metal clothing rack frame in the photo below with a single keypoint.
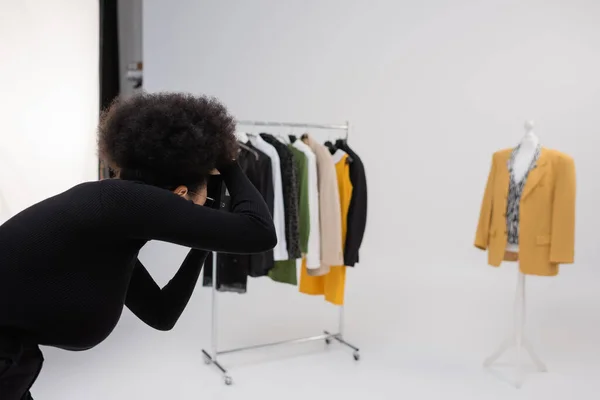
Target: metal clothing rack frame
[{"x": 211, "y": 357}]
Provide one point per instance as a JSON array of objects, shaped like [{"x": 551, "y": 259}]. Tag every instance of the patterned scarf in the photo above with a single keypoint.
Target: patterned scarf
[{"x": 515, "y": 190}]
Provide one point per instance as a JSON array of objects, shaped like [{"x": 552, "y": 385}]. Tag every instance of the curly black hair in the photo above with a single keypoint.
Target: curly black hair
[{"x": 166, "y": 139}]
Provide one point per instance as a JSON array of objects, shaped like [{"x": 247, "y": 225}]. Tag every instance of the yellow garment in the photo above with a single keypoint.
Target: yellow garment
[
  {"x": 332, "y": 284},
  {"x": 546, "y": 219}
]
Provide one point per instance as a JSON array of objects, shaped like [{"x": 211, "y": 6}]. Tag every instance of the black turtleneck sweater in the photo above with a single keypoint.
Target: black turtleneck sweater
[{"x": 69, "y": 264}]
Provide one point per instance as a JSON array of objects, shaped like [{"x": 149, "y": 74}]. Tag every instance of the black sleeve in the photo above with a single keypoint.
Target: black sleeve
[
  {"x": 266, "y": 178},
  {"x": 357, "y": 213},
  {"x": 161, "y": 308},
  {"x": 139, "y": 211}
]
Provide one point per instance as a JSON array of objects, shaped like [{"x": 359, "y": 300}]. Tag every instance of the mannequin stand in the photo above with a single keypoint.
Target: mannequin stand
[{"x": 518, "y": 340}]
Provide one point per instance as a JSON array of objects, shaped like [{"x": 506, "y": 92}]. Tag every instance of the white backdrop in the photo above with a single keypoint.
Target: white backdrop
[
  {"x": 431, "y": 88},
  {"x": 48, "y": 99}
]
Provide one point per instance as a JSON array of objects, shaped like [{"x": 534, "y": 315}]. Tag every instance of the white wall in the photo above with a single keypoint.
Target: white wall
[
  {"x": 431, "y": 88},
  {"x": 48, "y": 99}
]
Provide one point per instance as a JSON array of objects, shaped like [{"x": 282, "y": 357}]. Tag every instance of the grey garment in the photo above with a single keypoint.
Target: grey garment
[
  {"x": 290, "y": 195},
  {"x": 515, "y": 190}
]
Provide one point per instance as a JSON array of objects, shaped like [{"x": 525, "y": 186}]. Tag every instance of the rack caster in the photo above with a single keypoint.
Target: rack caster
[
  {"x": 328, "y": 341},
  {"x": 228, "y": 380},
  {"x": 207, "y": 360},
  {"x": 356, "y": 356}
]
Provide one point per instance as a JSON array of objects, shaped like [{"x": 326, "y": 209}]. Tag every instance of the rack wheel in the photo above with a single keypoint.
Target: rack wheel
[
  {"x": 207, "y": 360},
  {"x": 356, "y": 355},
  {"x": 228, "y": 380},
  {"x": 328, "y": 341}
]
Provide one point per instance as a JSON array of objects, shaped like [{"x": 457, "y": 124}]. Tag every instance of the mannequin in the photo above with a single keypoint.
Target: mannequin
[
  {"x": 522, "y": 162},
  {"x": 526, "y": 152}
]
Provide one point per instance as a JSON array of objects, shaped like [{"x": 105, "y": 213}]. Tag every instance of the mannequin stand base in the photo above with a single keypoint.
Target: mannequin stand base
[
  {"x": 517, "y": 339},
  {"x": 519, "y": 367}
]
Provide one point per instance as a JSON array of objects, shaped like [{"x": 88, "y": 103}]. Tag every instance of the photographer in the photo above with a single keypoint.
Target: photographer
[{"x": 69, "y": 264}]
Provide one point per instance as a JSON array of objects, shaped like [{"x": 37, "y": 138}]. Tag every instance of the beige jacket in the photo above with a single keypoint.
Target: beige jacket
[{"x": 332, "y": 252}]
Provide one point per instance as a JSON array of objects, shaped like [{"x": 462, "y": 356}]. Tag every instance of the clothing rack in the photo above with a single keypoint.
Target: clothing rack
[
  {"x": 343, "y": 127},
  {"x": 211, "y": 357}
]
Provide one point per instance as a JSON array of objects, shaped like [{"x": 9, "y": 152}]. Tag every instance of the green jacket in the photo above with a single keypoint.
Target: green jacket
[{"x": 285, "y": 271}]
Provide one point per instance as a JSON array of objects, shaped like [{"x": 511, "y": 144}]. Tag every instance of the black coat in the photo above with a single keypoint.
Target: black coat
[{"x": 357, "y": 213}]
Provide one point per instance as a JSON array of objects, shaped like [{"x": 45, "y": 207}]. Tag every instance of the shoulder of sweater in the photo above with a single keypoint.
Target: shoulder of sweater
[
  {"x": 90, "y": 189},
  {"x": 310, "y": 155},
  {"x": 324, "y": 152},
  {"x": 265, "y": 147},
  {"x": 89, "y": 184},
  {"x": 283, "y": 150},
  {"x": 108, "y": 186},
  {"x": 127, "y": 195},
  {"x": 297, "y": 152}
]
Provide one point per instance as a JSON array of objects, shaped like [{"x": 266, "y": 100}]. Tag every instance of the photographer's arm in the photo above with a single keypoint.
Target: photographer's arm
[
  {"x": 161, "y": 308},
  {"x": 145, "y": 212}
]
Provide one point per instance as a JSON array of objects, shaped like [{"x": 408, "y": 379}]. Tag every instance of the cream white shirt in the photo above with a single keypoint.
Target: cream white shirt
[
  {"x": 280, "y": 251},
  {"x": 313, "y": 256}
]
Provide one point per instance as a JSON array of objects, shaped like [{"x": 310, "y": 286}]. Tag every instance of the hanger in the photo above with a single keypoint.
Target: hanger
[
  {"x": 291, "y": 137},
  {"x": 340, "y": 144},
  {"x": 332, "y": 148},
  {"x": 282, "y": 138}
]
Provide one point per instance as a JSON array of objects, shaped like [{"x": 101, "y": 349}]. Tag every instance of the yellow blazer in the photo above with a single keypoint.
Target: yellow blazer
[{"x": 547, "y": 214}]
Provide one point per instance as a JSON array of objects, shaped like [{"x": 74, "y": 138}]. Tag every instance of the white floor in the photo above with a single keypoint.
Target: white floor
[{"x": 423, "y": 337}]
